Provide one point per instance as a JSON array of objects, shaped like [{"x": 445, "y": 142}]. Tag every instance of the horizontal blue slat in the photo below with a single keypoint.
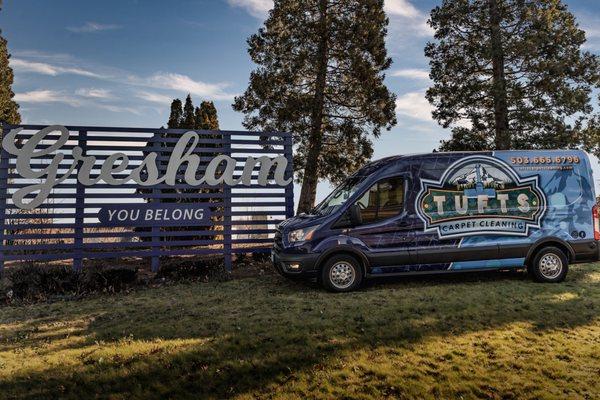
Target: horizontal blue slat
[
  {"x": 91, "y": 129},
  {"x": 131, "y": 234}
]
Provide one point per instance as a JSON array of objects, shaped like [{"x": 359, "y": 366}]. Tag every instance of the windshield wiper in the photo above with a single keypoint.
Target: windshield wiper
[{"x": 314, "y": 211}]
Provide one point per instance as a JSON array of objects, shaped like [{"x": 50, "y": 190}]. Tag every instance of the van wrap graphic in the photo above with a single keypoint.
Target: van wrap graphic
[{"x": 480, "y": 195}]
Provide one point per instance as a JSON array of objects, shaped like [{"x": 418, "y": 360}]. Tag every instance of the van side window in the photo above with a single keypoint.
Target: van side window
[{"x": 383, "y": 200}]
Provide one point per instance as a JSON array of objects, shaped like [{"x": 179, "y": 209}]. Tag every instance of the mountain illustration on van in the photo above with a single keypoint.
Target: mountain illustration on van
[
  {"x": 478, "y": 175},
  {"x": 478, "y": 181}
]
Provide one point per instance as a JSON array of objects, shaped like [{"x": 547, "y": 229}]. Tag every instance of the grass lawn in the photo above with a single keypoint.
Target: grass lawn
[{"x": 495, "y": 335}]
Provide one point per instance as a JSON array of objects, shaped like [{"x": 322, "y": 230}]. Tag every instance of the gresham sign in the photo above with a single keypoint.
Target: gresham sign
[
  {"x": 146, "y": 174},
  {"x": 196, "y": 183}
]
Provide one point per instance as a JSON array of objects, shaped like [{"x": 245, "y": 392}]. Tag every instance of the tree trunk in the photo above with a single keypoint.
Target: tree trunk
[
  {"x": 310, "y": 180},
  {"x": 502, "y": 140}
]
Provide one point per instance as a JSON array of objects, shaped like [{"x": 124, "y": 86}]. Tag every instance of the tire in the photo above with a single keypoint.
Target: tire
[
  {"x": 341, "y": 273},
  {"x": 550, "y": 265}
]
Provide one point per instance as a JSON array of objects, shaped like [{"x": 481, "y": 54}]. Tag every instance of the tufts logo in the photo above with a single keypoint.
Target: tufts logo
[{"x": 480, "y": 195}]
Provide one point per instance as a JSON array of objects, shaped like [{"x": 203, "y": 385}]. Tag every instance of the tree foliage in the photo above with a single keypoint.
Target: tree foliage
[
  {"x": 510, "y": 74},
  {"x": 9, "y": 109},
  {"x": 204, "y": 117},
  {"x": 320, "y": 75},
  {"x": 176, "y": 114},
  {"x": 188, "y": 121}
]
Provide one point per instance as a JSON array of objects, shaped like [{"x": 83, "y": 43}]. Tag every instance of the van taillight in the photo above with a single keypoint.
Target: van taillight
[{"x": 596, "y": 218}]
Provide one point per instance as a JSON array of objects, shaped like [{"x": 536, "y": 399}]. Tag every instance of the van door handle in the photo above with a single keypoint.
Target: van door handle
[{"x": 402, "y": 224}]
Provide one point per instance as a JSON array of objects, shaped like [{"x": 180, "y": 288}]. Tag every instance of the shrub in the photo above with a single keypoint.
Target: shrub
[
  {"x": 38, "y": 282},
  {"x": 34, "y": 282},
  {"x": 212, "y": 269},
  {"x": 261, "y": 257}
]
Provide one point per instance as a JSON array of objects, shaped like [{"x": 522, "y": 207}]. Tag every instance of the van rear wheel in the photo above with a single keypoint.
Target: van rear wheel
[
  {"x": 341, "y": 273},
  {"x": 550, "y": 265}
]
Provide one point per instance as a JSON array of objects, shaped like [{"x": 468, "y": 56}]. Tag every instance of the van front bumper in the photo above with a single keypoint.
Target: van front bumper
[{"x": 294, "y": 264}]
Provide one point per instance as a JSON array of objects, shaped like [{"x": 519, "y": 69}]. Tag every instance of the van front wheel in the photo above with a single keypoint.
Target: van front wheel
[
  {"x": 550, "y": 265},
  {"x": 341, "y": 273}
]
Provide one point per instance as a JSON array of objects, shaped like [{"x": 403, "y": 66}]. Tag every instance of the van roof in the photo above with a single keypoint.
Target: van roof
[
  {"x": 382, "y": 163},
  {"x": 375, "y": 165}
]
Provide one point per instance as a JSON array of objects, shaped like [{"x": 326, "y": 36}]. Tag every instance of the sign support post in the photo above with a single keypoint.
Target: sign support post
[
  {"x": 79, "y": 209},
  {"x": 289, "y": 189},
  {"x": 3, "y": 197},
  {"x": 155, "y": 260},
  {"x": 227, "y": 226}
]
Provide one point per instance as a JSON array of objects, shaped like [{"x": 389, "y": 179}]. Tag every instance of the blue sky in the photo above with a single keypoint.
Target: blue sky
[{"x": 120, "y": 62}]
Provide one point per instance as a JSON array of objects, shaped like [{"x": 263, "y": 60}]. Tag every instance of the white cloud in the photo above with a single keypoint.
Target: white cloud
[
  {"x": 592, "y": 32},
  {"x": 120, "y": 109},
  {"x": 46, "y": 96},
  {"x": 80, "y": 98},
  {"x": 414, "y": 105},
  {"x": 411, "y": 73},
  {"x": 256, "y": 8},
  {"x": 394, "y": 8},
  {"x": 20, "y": 65},
  {"x": 154, "y": 97},
  {"x": 406, "y": 21},
  {"x": 41, "y": 55},
  {"x": 185, "y": 84},
  {"x": 92, "y": 27},
  {"x": 161, "y": 80},
  {"x": 94, "y": 93},
  {"x": 401, "y": 8}
]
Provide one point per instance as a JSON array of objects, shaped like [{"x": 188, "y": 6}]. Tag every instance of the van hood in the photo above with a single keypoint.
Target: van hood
[{"x": 301, "y": 221}]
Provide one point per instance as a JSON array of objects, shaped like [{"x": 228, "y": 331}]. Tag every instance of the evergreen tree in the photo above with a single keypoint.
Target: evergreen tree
[
  {"x": 176, "y": 115},
  {"x": 9, "y": 109},
  {"x": 188, "y": 121},
  {"x": 509, "y": 74},
  {"x": 197, "y": 118},
  {"x": 206, "y": 116},
  {"x": 590, "y": 134},
  {"x": 320, "y": 75}
]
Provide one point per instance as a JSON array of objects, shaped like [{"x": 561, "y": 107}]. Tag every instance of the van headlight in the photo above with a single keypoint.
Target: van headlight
[{"x": 301, "y": 235}]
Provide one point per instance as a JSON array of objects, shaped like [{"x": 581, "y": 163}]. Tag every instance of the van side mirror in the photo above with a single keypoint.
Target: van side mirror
[{"x": 355, "y": 215}]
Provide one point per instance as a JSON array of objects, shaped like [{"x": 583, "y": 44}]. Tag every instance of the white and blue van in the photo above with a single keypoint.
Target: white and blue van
[{"x": 448, "y": 212}]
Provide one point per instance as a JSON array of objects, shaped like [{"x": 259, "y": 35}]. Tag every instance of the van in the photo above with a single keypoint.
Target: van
[{"x": 445, "y": 213}]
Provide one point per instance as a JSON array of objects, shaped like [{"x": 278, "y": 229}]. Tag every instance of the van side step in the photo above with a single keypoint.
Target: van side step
[{"x": 438, "y": 272}]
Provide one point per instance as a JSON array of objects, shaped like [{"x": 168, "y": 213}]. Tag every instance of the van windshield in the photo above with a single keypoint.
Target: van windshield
[{"x": 338, "y": 197}]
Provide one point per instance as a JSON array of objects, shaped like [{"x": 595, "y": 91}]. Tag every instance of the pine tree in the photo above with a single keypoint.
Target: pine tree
[
  {"x": 320, "y": 76},
  {"x": 176, "y": 115},
  {"x": 590, "y": 133},
  {"x": 198, "y": 118},
  {"x": 206, "y": 116},
  {"x": 9, "y": 109},
  {"x": 509, "y": 74},
  {"x": 188, "y": 121}
]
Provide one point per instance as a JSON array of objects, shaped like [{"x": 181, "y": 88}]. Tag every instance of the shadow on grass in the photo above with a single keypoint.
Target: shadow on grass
[{"x": 267, "y": 331}]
